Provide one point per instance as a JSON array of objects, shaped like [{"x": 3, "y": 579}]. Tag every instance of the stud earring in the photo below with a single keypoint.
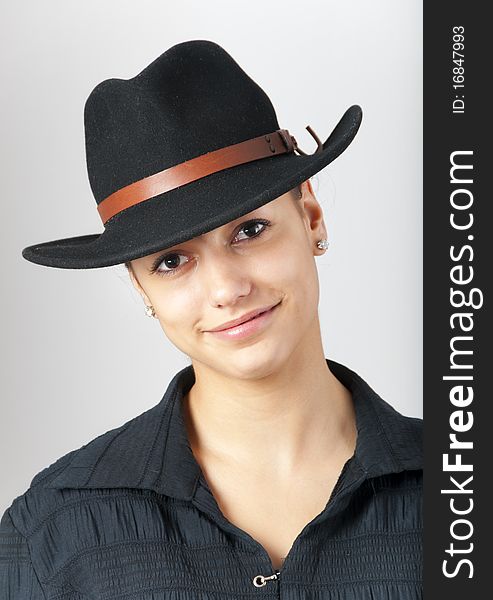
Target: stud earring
[
  {"x": 323, "y": 244},
  {"x": 150, "y": 311}
]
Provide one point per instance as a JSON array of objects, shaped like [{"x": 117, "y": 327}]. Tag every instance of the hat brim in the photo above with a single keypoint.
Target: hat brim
[{"x": 196, "y": 208}]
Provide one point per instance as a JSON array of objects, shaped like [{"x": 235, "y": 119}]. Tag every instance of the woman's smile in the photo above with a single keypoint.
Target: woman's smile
[{"x": 254, "y": 325}]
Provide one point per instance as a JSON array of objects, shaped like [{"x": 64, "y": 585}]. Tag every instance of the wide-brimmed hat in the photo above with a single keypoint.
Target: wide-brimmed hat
[{"x": 185, "y": 146}]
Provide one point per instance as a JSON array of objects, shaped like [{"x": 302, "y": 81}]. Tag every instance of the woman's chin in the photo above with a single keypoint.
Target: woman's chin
[{"x": 255, "y": 362}]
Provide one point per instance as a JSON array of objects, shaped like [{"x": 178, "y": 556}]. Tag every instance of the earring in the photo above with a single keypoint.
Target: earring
[
  {"x": 323, "y": 244},
  {"x": 150, "y": 311}
]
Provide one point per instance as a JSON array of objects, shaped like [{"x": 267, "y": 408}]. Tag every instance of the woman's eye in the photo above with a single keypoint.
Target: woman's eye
[
  {"x": 169, "y": 264},
  {"x": 252, "y": 227}
]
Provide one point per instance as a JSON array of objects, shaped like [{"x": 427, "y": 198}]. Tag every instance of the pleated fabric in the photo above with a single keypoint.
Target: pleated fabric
[{"x": 149, "y": 528}]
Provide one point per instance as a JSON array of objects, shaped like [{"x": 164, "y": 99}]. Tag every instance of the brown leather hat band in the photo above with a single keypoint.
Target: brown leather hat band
[{"x": 278, "y": 142}]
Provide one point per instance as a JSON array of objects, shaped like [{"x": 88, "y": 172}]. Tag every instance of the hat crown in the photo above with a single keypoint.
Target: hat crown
[
  {"x": 192, "y": 99},
  {"x": 192, "y": 102}
]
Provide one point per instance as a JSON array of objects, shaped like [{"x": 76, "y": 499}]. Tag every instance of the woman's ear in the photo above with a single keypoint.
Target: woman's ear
[{"x": 313, "y": 216}]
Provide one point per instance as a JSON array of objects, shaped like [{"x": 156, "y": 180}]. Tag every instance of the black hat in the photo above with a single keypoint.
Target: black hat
[{"x": 185, "y": 146}]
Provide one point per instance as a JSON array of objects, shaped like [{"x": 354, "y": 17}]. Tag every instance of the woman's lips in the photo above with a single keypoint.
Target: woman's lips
[{"x": 248, "y": 327}]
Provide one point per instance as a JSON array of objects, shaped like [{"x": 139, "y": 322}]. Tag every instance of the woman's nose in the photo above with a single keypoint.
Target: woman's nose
[{"x": 226, "y": 278}]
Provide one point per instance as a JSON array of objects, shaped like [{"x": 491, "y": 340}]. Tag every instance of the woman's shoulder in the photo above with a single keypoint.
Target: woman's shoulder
[
  {"x": 41, "y": 498},
  {"x": 415, "y": 425},
  {"x": 118, "y": 458}
]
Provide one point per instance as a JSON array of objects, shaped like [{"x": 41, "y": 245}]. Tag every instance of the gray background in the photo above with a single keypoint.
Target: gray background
[{"x": 78, "y": 354}]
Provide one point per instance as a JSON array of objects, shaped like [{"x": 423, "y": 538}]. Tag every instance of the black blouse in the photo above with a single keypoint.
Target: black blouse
[{"x": 129, "y": 516}]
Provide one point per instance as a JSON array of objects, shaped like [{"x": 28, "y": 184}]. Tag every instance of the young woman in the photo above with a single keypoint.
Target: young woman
[{"x": 267, "y": 469}]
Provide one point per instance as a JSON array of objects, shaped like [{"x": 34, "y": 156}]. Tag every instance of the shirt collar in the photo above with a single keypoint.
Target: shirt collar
[{"x": 151, "y": 451}]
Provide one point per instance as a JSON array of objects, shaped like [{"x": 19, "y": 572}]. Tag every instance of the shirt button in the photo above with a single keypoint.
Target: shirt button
[{"x": 261, "y": 580}]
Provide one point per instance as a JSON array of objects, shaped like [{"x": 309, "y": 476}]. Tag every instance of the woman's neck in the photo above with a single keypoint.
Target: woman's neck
[{"x": 287, "y": 419}]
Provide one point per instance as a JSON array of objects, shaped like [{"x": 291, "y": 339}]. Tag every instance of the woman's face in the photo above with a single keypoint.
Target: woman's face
[{"x": 264, "y": 258}]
